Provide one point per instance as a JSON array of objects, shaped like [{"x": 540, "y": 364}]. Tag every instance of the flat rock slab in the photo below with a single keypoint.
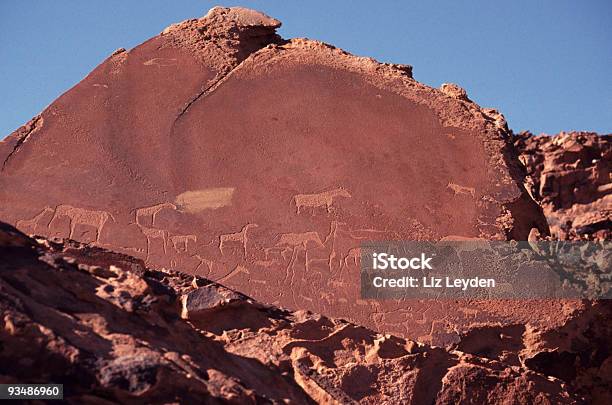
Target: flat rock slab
[{"x": 219, "y": 149}]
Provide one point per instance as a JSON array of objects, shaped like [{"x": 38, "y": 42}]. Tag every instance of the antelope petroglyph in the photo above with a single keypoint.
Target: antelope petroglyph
[{"x": 324, "y": 199}]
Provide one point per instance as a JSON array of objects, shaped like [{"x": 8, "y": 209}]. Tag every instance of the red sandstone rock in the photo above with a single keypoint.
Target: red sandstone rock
[
  {"x": 570, "y": 175},
  {"x": 221, "y": 150},
  {"x": 218, "y": 149},
  {"x": 110, "y": 330}
]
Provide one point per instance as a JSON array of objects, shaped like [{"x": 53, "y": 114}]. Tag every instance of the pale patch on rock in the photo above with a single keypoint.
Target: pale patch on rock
[{"x": 200, "y": 200}]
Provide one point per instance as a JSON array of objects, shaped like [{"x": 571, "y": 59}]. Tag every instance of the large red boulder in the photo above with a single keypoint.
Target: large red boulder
[{"x": 219, "y": 149}]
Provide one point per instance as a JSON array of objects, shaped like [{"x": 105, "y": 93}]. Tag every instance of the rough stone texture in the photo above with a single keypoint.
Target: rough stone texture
[
  {"x": 111, "y": 330},
  {"x": 202, "y": 300},
  {"x": 221, "y": 150},
  {"x": 570, "y": 175},
  {"x": 218, "y": 149}
]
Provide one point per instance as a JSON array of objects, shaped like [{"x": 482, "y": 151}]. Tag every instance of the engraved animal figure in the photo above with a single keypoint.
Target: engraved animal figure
[
  {"x": 239, "y": 237},
  {"x": 354, "y": 255},
  {"x": 149, "y": 230},
  {"x": 288, "y": 242},
  {"x": 209, "y": 264},
  {"x": 32, "y": 223},
  {"x": 325, "y": 199},
  {"x": 457, "y": 189},
  {"x": 154, "y": 233},
  {"x": 296, "y": 242},
  {"x": 178, "y": 240},
  {"x": 151, "y": 212},
  {"x": 82, "y": 216},
  {"x": 300, "y": 239}
]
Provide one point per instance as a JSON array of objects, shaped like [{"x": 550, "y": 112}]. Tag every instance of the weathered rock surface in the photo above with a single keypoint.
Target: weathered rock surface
[
  {"x": 570, "y": 175},
  {"x": 113, "y": 331},
  {"x": 218, "y": 149}
]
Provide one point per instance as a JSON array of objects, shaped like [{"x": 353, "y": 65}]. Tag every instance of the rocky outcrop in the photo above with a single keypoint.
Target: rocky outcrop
[
  {"x": 258, "y": 166},
  {"x": 112, "y": 330},
  {"x": 218, "y": 149},
  {"x": 570, "y": 175}
]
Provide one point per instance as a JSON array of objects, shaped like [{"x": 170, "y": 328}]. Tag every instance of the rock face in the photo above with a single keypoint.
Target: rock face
[
  {"x": 257, "y": 164},
  {"x": 219, "y": 149},
  {"x": 570, "y": 175},
  {"x": 113, "y": 331}
]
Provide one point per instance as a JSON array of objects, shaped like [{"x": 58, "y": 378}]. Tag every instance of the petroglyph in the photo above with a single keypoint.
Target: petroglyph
[
  {"x": 209, "y": 264},
  {"x": 236, "y": 270},
  {"x": 324, "y": 199},
  {"x": 290, "y": 243},
  {"x": 151, "y": 233},
  {"x": 200, "y": 200},
  {"x": 457, "y": 189},
  {"x": 265, "y": 263},
  {"x": 272, "y": 253},
  {"x": 238, "y": 237},
  {"x": 181, "y": 242},
  {"x": 82, "y": 216},
  {"x": 300, "y": 239},
  {"x": 31, "y": 224},
  {"x": 151, "y": 212},
  {"x": 161, "y": 62},
  {"x": 317, "y": 263},
  {"x": 354, "y": 254},
  {"x": 333, "y": 231},
  {"x": 367, "y": 234},
  {"x": 149, "y": 230},
  {"x": 293, "y": 244}
]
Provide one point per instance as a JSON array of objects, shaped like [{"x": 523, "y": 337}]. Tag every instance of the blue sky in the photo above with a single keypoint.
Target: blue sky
[{"x": 547, "y": 65}]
